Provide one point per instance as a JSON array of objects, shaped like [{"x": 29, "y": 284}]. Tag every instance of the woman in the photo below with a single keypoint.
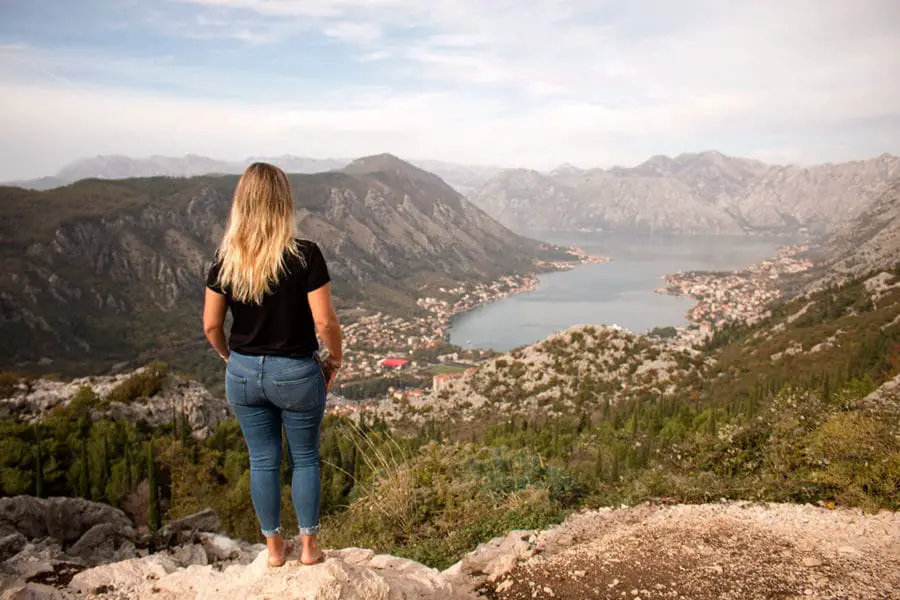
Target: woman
[{"x": 279, "y": 293}]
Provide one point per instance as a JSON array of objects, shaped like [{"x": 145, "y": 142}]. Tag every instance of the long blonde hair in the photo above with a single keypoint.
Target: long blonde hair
[{"x": 260, "y": 229}]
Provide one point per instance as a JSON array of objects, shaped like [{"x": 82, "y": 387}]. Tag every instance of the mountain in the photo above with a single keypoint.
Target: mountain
[
  {"x": 527, "y": 200},
  {"x": 868, "y": 242},
  {"x": 100, "y": 270},
  {"x": 698, "y": 193},
  {"x": 464, "y": 178}
]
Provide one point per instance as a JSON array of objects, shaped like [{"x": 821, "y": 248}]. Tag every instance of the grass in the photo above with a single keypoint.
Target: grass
[{"x": 449, "y": 368}]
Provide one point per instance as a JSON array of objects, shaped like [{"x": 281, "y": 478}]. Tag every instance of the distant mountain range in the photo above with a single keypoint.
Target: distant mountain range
[
  {"x": 100, "y": 271},
  {"x": 699, "y": 193},
  {"x": 463, "y": 178},
  {"x": 705, "y": 193}
]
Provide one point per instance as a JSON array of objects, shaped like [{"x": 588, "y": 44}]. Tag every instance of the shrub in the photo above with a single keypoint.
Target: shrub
[
  {"x": 142, "y": 384},
  {"x": 10, "y": 381},
  {"x": 84, "y": 400},
  {"x": 858, "y": 459},
  {"x": 449, "y": 498}
]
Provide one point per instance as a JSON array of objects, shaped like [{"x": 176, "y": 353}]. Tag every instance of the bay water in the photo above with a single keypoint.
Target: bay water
[{"x": 619, "y": 292}]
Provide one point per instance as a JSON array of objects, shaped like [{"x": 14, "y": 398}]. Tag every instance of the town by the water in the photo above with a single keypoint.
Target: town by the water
[{"x": 406, "y": 358}]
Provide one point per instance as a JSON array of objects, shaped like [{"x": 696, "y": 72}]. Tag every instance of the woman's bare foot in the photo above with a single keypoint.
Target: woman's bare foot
[
  {"x": 278, "y": 550},
  {"x": 311, "y": 553}
]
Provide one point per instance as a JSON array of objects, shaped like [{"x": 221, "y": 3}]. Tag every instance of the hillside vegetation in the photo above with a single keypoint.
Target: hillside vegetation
[
  {"x": 101, "y": 272},
  {"x": 801, "y": 407}
]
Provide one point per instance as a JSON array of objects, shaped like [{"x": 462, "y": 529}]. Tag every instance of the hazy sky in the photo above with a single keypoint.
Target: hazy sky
[{"x": 510, "y": 82}]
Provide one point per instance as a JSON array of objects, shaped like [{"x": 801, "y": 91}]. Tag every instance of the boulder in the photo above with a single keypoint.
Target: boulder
[
  {"x": 192, "y": 554},
  {"x": 125, "y": 577},
  {"x": 221, "y": 549},
  {"x": 104, "y": 543},
  {"x": 492, "y": 560},
  {"x": 64, "y": 519},
  {"x": 182, "y": 531},
  {"x": 12, "y": 544},
  {"x": 35, "y": 591}
]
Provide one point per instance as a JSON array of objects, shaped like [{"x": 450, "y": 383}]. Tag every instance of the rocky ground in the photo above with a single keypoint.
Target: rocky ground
[
  {"x": 62, "y": 549},
  {"x": 718, "y": 551}
]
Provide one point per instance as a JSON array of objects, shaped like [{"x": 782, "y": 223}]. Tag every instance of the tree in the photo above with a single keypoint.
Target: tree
[
  {"x": 712, "y": 425},
  {"x": 127, "y": 460},
  {"x": 184, "y": 428},
  {"x": 38, "y": 464},
  {"x": 153, "y": 515},
  {"x": 614, "y": 468},
  {"x": 106, "y": 469},
  {"x": 584, "y": 422},
  {"x": 598, "y": 465},
  {"x": 85, "y": 479}
]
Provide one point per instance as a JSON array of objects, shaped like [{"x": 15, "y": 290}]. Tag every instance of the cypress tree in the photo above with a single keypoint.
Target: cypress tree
[
  {"x": 614, "y": 468},
  {"x": 153, "y": 515},
  {"x": 85, "y": 482},
  {"x": 598, "y": 465},
  {"x": 38, "y": 464},
  {"x": 583, "y": 423},
  {"x": 127, "y": 459},
  {"x": 105, "y": 471},
  {"x": 184, "y": 429}
]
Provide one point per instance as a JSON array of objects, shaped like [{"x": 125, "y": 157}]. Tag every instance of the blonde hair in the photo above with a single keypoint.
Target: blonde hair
[{"x": 260, "y": 229}]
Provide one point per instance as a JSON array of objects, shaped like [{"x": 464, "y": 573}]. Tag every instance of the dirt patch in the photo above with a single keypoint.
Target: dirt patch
[{"x": 711, "y": 552}]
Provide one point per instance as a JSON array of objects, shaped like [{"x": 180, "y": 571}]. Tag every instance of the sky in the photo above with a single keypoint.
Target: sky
[{"x": 530, "y": 83}]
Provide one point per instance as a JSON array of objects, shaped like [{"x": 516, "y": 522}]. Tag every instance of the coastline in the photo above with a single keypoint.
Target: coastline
[
  {"x": 530, "y": 283},
  {"x": 373, "y": 338},
  {"x": 727, "y": 297}
]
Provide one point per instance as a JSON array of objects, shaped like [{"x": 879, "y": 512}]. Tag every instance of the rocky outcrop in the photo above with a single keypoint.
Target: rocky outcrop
[
  {"x": 35, "y": 399},
  {"x": 867, "y": 242},
  {"x": 66, "y": 520},
  {"x": 50, "y": 541},
  {"x": 550, "y": 376},
  {"x": 350, "y": 574}
]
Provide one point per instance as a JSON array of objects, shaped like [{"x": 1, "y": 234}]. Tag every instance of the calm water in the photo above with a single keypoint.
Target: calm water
[{"x": 619, "y": 292}]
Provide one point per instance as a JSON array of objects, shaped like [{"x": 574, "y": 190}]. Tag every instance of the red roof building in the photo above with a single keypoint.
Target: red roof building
[{"x": 394, "y": 363}]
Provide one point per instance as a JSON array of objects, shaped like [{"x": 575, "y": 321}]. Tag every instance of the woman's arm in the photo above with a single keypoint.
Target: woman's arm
[
  {"x": 327, "y": 325},
  {"x": 214, "y": 309}
]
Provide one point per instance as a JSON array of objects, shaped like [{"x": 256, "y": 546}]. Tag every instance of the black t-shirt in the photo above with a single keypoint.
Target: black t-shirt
[{"x": 283, "y": 324}]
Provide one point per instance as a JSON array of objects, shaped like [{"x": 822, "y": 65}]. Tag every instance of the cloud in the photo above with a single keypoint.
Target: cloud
[
  {"x": 527, "y": 82},
  {"x": 354, "y": 33}
]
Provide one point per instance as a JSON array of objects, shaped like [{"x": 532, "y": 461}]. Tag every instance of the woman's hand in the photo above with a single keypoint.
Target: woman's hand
[{"x": 330, "y": 368}]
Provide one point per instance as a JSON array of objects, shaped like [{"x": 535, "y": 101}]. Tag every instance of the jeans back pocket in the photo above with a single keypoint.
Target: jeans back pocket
[
  {"x": 300, "y": 393},
  {"x": 235, "y": 389}
]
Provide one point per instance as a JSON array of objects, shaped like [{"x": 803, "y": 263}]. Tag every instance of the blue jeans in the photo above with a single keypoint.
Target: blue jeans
[{"x": 266, "y": 393}]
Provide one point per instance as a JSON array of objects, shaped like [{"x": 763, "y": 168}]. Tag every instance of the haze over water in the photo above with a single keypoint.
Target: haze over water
[{"x": 619, "y": 292}]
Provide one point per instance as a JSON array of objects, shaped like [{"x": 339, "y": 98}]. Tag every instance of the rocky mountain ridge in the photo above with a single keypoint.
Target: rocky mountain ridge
[
  {"x": 700, "y": 193},
  {"x": 103, "y": 270},
  {"x": 868, "y": 242},
  {"x": 464, "y": 178},
  {"x": 575, "y": 371}
]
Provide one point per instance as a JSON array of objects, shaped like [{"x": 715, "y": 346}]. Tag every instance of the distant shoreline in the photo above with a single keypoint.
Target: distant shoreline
[{"x": 531, "y": 282}]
